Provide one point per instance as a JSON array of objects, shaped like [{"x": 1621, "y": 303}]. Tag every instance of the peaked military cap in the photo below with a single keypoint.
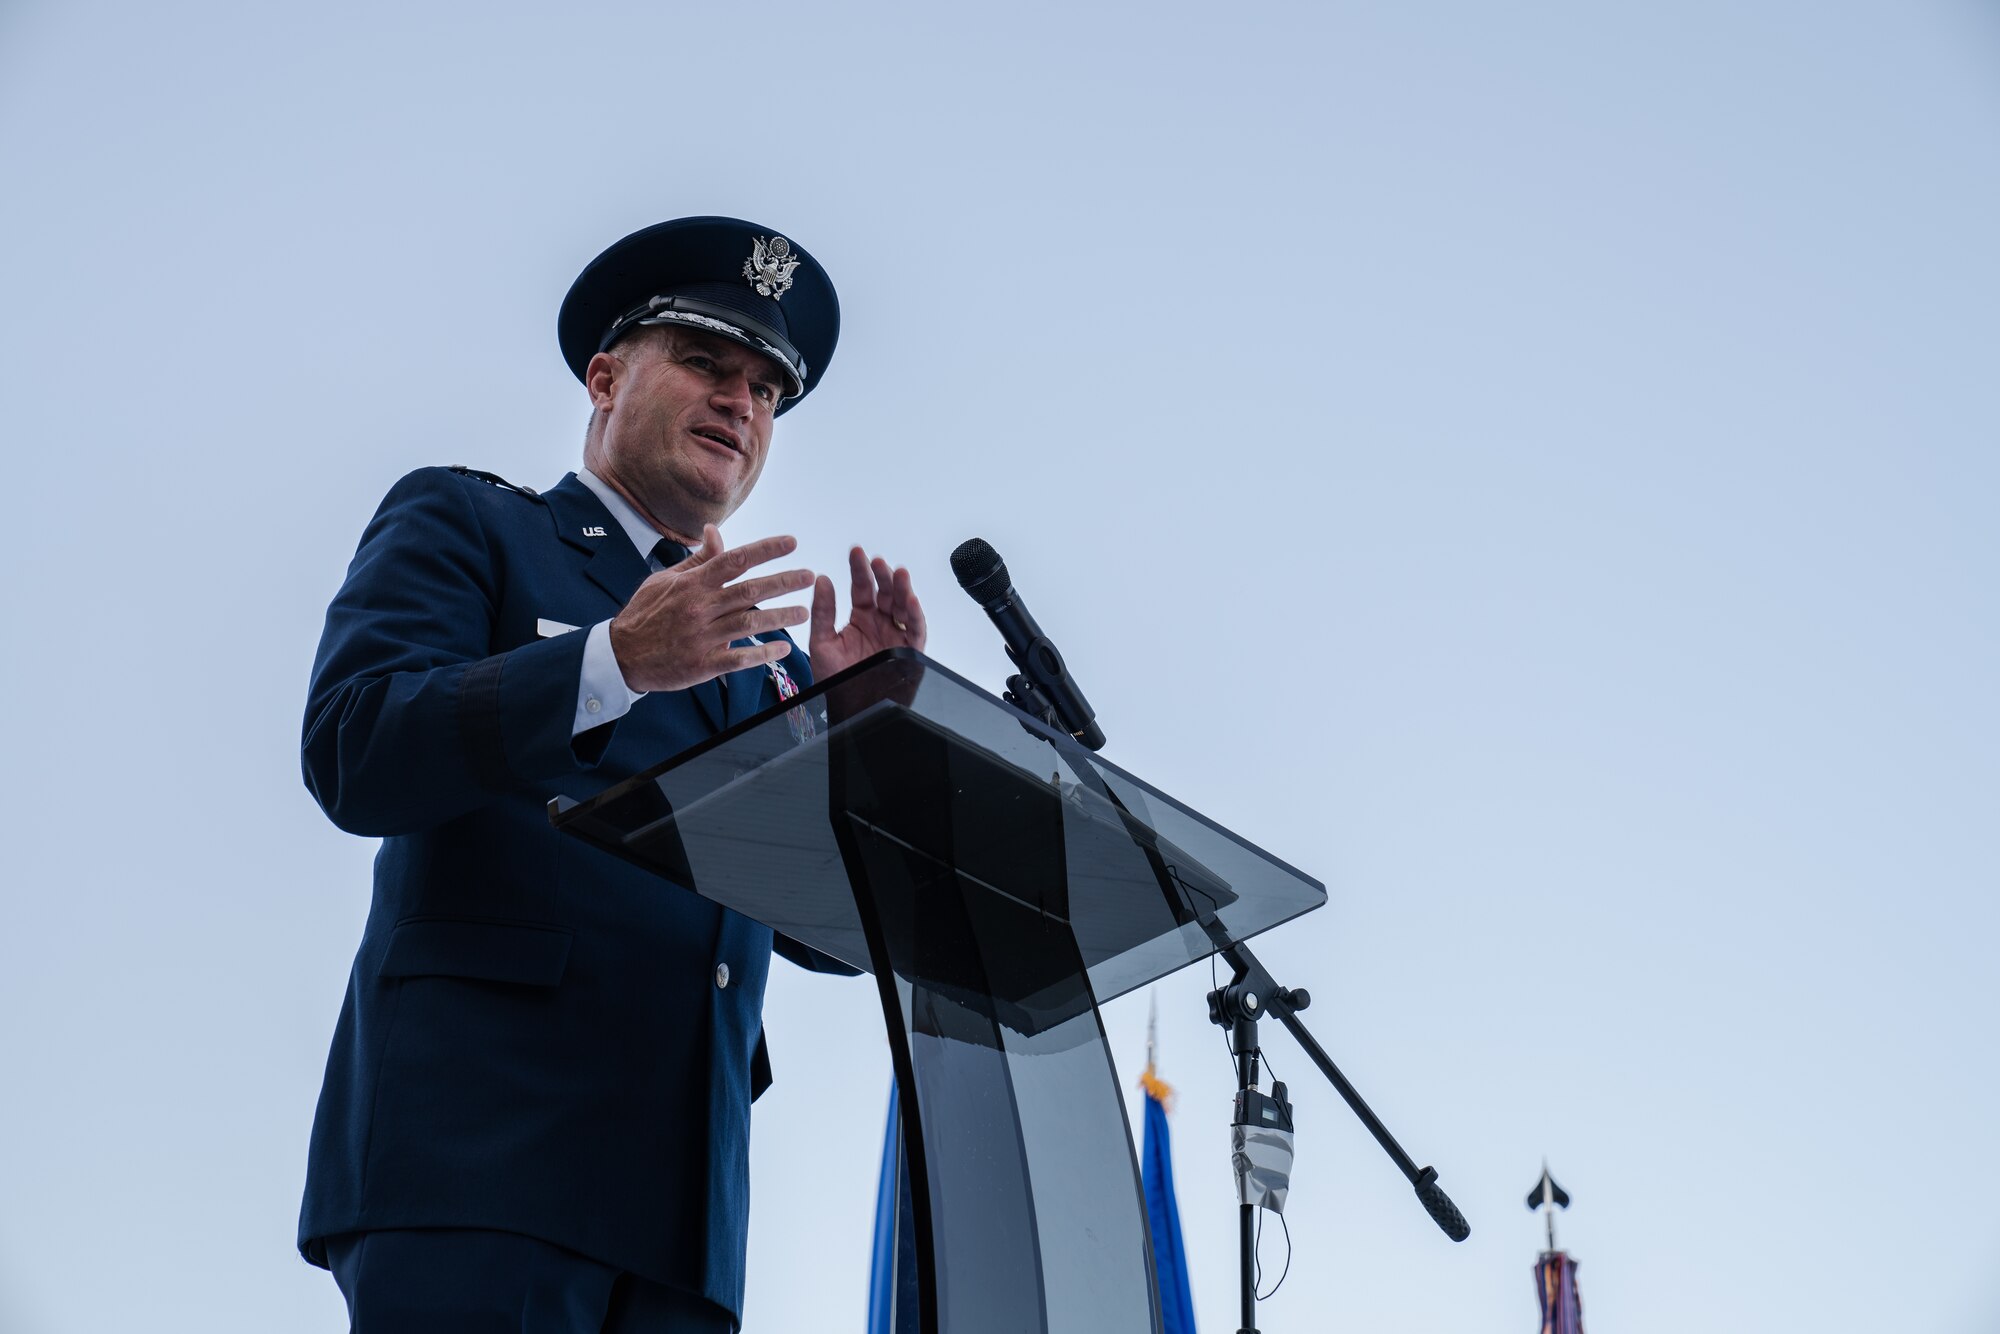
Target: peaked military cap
[{"x": 728, "y": 277}]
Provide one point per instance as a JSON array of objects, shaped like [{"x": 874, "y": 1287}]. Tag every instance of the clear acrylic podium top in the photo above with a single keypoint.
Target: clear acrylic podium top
[{"x": 921, "y": 764}]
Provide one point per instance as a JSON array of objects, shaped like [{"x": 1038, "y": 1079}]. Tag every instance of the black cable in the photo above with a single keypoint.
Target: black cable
[
  {"x": 1215, "y": 984},
  {"x": 1283, "y": 1274},
  {"x": 1272, "y": 1071}
]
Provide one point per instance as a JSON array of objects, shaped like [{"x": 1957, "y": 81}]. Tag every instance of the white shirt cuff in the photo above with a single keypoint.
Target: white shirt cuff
[{"x": 601, "y": 693}]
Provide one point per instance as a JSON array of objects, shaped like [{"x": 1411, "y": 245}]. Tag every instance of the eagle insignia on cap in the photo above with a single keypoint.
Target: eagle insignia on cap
[{"x": 770, "y": 266}]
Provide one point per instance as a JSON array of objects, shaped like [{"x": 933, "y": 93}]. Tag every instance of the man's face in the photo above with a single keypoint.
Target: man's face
[{"x": 688, "y": 426}]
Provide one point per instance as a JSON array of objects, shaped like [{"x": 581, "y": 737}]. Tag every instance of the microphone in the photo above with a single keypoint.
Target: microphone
[{"x": 1044, "y": 685}]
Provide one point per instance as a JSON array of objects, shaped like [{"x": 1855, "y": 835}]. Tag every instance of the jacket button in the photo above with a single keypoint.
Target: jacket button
[{"x": 722, "y": 975}]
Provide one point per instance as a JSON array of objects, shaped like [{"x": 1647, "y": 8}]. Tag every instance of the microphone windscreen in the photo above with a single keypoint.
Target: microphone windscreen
[
  {"x": 972, "y": 560},
  {"x": 980, "y": 572}
]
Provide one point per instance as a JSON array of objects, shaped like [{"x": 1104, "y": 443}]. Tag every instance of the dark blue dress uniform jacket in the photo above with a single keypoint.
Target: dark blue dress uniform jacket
[{"x": 533, "y": 1038}]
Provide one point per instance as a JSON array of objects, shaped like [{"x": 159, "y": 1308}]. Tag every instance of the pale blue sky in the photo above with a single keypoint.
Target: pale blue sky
[{"x": 1532, "y": 467}]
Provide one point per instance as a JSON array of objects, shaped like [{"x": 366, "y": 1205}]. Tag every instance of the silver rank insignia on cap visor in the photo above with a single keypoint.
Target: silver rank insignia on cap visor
[{"x": 770, "y": 266}]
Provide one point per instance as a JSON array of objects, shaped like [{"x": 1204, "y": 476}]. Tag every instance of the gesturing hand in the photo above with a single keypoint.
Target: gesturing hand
[
  {"x": 675, "y": 631},
  {"x": 884, "y": 614}
]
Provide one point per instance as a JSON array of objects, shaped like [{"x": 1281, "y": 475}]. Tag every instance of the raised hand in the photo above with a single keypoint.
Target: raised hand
[
  {"x": 675, "y": 632},
  {"x": 883, "y": 613}
]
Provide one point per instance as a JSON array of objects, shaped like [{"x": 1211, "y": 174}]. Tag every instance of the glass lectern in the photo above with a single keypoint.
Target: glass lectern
[{"x": 1000, "y": 882}]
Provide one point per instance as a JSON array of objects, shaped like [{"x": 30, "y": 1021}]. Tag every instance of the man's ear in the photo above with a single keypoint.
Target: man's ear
[{"x": 601, "y": 377}]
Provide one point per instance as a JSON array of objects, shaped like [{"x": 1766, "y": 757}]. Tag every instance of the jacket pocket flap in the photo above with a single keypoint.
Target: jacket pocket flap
[{"x": 491, "y": 951}]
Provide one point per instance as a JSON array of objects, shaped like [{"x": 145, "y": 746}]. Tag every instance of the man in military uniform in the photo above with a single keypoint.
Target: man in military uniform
[{"x": 536, "y": 1109}]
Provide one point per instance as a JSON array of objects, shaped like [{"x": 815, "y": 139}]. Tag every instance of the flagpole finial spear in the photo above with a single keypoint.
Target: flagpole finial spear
[
  {"x": 1548, "y": 1197},
  {"x": 1152, "y": 1023}
]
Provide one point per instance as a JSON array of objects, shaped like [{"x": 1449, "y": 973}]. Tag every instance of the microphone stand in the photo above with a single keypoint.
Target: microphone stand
[{"x": 1252, "y": 994}]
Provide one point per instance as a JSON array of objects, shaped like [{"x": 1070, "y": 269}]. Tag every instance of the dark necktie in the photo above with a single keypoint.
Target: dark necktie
[{"x": 669, "y": 553}]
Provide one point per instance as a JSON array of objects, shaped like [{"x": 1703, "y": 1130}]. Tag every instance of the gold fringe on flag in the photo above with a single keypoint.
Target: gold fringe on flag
[{"x": 1157, "y": 1088}]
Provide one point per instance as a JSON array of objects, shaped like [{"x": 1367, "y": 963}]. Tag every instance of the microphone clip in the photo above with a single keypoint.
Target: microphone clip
[{"x": 1025, "y": 695}]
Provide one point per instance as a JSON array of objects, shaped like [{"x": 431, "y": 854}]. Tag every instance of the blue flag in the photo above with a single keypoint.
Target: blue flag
[
  {"x": 892, "y": 1276},
  {"x": 1163, "y": 1216},
  {"x": 892, "y": 1269}
]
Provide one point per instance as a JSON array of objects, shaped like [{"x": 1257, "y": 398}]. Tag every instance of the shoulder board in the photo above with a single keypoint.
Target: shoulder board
[{"x": 494, "y": 479}]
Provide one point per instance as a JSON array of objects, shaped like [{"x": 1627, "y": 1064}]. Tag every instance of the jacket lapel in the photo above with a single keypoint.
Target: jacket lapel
[
  {"x": 743, "y": 690},
  {"x": 610, "y": 560},
  {"x": 614, "y": 565},
  {"x": 709, "y": 695},
  {"x": 754, "y": 688}
]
